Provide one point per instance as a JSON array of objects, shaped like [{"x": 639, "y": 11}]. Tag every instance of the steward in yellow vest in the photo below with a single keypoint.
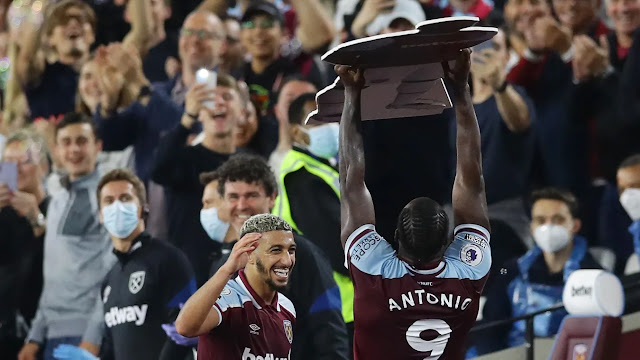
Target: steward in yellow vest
[{"x": 309, "y": 200}]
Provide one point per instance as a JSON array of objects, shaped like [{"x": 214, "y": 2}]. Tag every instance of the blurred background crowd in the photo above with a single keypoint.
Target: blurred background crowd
[{"x": 91, "y": 86}]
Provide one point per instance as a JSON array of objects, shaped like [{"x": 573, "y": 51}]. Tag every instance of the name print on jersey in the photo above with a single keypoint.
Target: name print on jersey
[
  {"x": 446, "y": 300},
  {"x": 135, "y": 314},
  {"x": 247, "y": 355}
]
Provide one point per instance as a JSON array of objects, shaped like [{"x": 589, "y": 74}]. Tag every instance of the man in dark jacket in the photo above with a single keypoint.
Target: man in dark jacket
[
  {"x": 22, "y": 212},
  {"x": 248, "y": 187},
  {"x": 177, "y": 167},
  {"x": 144, "y": 290}
]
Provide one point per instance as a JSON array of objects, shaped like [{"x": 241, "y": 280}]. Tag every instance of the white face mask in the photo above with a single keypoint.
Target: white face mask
[
  {"x": 214, "y": 227},
  {"x": 551, "y": 238},
  {"x": 324, "y": 140},
  {"x": 120, "y": 218},
  {"x": 630, "y": 200}
]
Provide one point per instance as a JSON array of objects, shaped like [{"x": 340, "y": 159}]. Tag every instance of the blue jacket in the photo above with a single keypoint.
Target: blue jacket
[{"x": 525, "y": 286}]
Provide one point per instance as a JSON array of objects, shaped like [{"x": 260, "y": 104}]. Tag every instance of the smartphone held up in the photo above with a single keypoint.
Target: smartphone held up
[
  {"x": 210, "y": 78},
  {"x": 9, "y": 174}
]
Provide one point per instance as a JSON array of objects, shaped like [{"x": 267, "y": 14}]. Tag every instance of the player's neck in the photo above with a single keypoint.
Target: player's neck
[
  {"x": 555, "y": 261},
  {"x": 264, "y": 291}
]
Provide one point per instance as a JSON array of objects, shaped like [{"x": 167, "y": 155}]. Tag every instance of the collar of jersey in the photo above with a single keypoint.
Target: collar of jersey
[
  {"x": 431, "y": 271},
  {"x": 257, "y": 300},
  {"x": 136, "y": 244}
]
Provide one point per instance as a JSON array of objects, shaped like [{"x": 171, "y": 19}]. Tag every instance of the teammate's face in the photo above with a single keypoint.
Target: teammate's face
[
  {"x": 274, "y": 258},
  {"x": 245, "y": 200}
]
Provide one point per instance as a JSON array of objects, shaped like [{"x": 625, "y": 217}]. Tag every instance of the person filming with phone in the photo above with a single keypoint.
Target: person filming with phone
[
  {"x": 22, "y": 212},
  {"x": 177, "y": 166}
]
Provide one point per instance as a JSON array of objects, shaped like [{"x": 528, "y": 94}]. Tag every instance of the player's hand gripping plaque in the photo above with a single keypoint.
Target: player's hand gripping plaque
[{"x": 403, "y": 70}]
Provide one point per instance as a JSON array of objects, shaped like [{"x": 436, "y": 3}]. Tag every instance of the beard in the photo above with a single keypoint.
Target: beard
[{"x": 266, "y": 276}]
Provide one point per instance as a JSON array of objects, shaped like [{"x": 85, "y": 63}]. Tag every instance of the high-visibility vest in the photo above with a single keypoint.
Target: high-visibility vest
[{"x": 292, "y": 162}]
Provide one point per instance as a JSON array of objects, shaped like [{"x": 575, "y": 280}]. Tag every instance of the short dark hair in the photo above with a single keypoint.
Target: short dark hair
[
  {"x": 297, "y": 115},
  {"x": 292, "y": 78},
  {"x": 74, "y": 118},
  {"x": 423, "y": 230},
  {"x": 248, "y": 168},
  {"x": 123, "y": 175},
  {"x": 632, "y": 160},
  {"x": 553, "y": 193},
  {"x": 262, "y": 7},
  {"x": 208, "y": 177}
]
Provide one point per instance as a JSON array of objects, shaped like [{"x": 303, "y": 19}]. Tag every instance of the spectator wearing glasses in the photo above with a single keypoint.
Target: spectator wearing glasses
[
  {"x": 262, "y": 34},
  {"x": 201, "y": 45},
  {"x": 69, "y": 31}
]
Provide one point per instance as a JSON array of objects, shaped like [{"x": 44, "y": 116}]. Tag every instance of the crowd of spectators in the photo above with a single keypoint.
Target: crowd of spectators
[{"x": 89, "y": 87}]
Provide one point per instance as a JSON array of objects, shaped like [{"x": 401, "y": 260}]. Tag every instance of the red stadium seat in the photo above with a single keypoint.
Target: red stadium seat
[{"x": 588, "y": 338}]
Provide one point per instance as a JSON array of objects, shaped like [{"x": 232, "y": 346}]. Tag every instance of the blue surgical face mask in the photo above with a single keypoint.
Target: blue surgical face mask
[
  {"x": 324, "y": 140},
  {"x": 120, "y": 218},
  {"x": 215, "y": 228}
]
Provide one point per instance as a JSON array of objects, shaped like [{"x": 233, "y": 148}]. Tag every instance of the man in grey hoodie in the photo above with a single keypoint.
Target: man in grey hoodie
[{"x": 77, "y": 253}]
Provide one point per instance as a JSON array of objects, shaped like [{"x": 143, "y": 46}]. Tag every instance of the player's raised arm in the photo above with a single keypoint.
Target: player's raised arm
[
  {"x": 198, "y": 315},
  {"x": 356, "y": 206},
  {"x": 469, "y": 200}
]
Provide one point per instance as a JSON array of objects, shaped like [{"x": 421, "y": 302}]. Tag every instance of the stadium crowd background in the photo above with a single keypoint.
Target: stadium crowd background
[{"x": 556, "y": 96}]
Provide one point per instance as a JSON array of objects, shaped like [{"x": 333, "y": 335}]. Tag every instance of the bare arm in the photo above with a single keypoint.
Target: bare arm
[
  {"x": 30, "y": 61},
  {"x": 513, "y": 109},
  {"x": 141, "y": 33},
  {"x": 13, "y": 92},
  {"x": 356, "y": 206},
  {"x": 315, "y": 28},
  {"x": 469, "y": 200},
  {"x": 198, "y": 315}
]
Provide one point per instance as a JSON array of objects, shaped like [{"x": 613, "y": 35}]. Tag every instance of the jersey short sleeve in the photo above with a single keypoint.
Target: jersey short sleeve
[
  {"x": 370, "y": 253},
  {"x": 469, "y": 255},
  {"x": 229, "y": 298}
]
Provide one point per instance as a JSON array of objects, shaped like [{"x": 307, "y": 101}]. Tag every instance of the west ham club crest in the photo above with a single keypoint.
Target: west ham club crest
[
  {"x": 288, "y": 330},
  {"x": 136, "y": 281}
]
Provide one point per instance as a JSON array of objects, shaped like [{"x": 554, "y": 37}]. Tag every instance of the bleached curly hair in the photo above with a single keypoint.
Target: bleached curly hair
[{"x": 263, "y": 223}]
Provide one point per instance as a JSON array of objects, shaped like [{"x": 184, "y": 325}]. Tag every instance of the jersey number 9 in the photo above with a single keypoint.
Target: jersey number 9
[{"x": 436, "y": 346}]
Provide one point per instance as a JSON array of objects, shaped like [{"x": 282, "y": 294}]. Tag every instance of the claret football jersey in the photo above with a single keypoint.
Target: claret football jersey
[
  {"x": 406, "y": 313},
  {"x": 249, "y": 329}
]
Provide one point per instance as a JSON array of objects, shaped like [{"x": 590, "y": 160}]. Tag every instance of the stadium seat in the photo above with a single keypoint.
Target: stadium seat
[{"x": 595, "y": 300}]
